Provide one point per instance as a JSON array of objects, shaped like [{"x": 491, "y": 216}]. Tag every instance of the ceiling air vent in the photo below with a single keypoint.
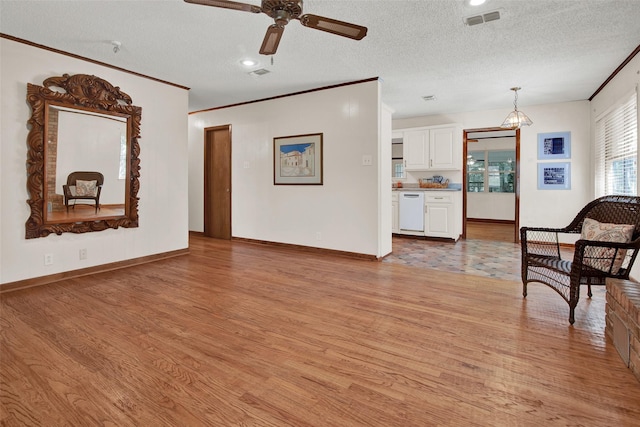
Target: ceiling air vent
[
  {"x": 474, "y": 20},
  {"x": 491, "y": 16},
  {"x": 481, "y": 19},
  {"x": 260, "y": 72}
]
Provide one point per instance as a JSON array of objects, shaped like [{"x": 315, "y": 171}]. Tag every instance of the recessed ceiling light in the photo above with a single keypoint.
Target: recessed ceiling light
[
  {"x": 248, "y": 62},
  {"x": 476, "y": 2}
]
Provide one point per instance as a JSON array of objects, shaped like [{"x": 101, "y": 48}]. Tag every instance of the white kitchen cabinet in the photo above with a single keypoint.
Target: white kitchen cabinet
[
  {"x": 439, "y": 220},
  {"x": 440, "y": 214},
  {"x": 395, "y": 217},
  {"x": 430, "y": 148},
  {"x": 416, "y": 149},
  {"x": 442, "y": 148}
]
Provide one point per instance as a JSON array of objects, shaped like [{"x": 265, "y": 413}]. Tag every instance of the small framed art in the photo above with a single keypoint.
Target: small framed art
[
  {"x": 297, "y": 160},
  {"x": 554, "y": 176},
  {"x": 555, "y": 145}
]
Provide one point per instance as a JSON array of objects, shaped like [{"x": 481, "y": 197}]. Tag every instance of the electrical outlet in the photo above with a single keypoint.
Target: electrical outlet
[
  {"x": 48, "y": 259},
  {"x": 83, "y": 254},
  {"x": 247, "y": 165},
  {"x": 318, "y": 235}
]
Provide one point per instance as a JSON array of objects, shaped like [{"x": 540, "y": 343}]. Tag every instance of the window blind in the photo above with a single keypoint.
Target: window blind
[{"x": 616, "y": 149}]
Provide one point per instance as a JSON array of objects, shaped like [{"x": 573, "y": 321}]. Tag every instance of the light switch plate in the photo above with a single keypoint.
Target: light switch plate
[{"x": 367, "y": 160}]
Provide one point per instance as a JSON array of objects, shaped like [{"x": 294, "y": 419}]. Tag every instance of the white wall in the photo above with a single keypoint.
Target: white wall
[
  {"x": 163, "y": 208},
  {"x": 624, "y": 83},
  {"x": 544, "y": 208},
  {"x": 344, "y": 210},
  {"x": 491, "y": 206},
  {"x": 384, "y": 179}
]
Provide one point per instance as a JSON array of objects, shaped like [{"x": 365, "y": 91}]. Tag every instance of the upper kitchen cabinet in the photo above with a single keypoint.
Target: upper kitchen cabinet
[
  {"x": 416, "y": 149},
  {"x": 442, "y": 148},
  {"x": 431, "y": 148}
]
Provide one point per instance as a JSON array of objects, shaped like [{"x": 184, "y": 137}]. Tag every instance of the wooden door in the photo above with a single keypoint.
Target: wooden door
[{"x": 217, "y": 182}]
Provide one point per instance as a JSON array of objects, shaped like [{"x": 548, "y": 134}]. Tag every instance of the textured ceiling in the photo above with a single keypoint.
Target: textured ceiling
[{"x": 556, "y": 50}]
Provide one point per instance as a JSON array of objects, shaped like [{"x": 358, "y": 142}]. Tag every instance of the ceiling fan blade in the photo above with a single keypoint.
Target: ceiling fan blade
[
  {"x": 245, "y": 7},
  {"x": 334, "y": 26},
  {"x": 271, "y": 40}
]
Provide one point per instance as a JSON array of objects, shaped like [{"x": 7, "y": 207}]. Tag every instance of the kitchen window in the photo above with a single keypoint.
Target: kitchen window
[
  {"x": 491, "y": 171},
  {"x": 397, "y": 159}
]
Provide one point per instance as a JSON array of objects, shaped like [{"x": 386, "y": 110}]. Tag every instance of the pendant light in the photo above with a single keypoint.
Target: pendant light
[{"x": 516, "y": 118}]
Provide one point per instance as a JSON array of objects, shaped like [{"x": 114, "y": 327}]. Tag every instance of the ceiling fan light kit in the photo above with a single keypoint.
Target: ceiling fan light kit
[{"x": 283, "y": 11}]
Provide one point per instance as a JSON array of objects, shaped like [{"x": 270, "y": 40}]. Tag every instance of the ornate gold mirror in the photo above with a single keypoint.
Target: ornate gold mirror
[{"x": 82, "y": 158}]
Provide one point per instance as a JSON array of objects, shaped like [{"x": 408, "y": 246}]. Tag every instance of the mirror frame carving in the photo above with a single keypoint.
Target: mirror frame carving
[{"x": 88, "y": 93}]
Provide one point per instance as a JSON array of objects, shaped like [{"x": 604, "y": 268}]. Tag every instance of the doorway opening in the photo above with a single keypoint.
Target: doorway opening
[{"x": 487, "y": 174}]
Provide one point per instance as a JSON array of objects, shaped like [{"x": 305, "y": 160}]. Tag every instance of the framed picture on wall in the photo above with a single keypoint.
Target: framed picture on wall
[
  {"x": 555, "y": 145},
  {"x": 554, "y": 176},
  {"x": 297, "y": 160}
]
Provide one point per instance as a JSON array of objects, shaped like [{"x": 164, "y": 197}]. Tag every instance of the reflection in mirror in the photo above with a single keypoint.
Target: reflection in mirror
[
  {"x": 80, "y": 140},
  {"x": 82, "y": 158}
]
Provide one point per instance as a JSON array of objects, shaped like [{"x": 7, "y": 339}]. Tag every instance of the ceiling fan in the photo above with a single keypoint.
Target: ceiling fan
[{"x": 282, "y": 11}]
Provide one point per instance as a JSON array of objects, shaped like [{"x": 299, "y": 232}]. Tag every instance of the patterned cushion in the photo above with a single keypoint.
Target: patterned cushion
[
  {"x": 600, "y": 258},
  {"x": 86, "y": 188}
]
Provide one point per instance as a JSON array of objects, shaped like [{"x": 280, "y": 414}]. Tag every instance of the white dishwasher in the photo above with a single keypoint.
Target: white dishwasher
[{"x": 411, "y": 207}]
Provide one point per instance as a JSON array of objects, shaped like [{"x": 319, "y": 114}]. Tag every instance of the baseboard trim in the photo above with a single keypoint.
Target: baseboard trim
[
  {"x": 492, "y": 221},
  {"x": 308, "y": 249},
  {"x": 52, "y": 278}
]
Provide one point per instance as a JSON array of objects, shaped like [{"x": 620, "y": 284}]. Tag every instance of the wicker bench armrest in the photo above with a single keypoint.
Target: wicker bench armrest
[
  {"x": 582, "y": 243},
  {"x": 614, "y": 258},
  {"x": 540, "y": 241}
]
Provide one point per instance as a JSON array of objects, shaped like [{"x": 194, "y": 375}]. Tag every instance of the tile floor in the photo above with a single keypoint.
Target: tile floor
[{"x": 496, "y": 259}]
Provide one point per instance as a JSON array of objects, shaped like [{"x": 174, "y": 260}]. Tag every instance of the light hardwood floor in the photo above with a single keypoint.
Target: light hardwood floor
[
  {"x": 490, "y": 231},
  {"x": 238, "y": 334}
]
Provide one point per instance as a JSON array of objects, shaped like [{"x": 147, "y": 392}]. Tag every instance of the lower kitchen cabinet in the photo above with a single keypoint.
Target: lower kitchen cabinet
[
  {"x": 439, "y": 220},
  {"x": 441, "y": 215},
  {"x": 395, "y": 217}
]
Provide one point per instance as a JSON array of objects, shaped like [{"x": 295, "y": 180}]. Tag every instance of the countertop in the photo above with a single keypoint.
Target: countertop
[{"x": 425, "y": 189}]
